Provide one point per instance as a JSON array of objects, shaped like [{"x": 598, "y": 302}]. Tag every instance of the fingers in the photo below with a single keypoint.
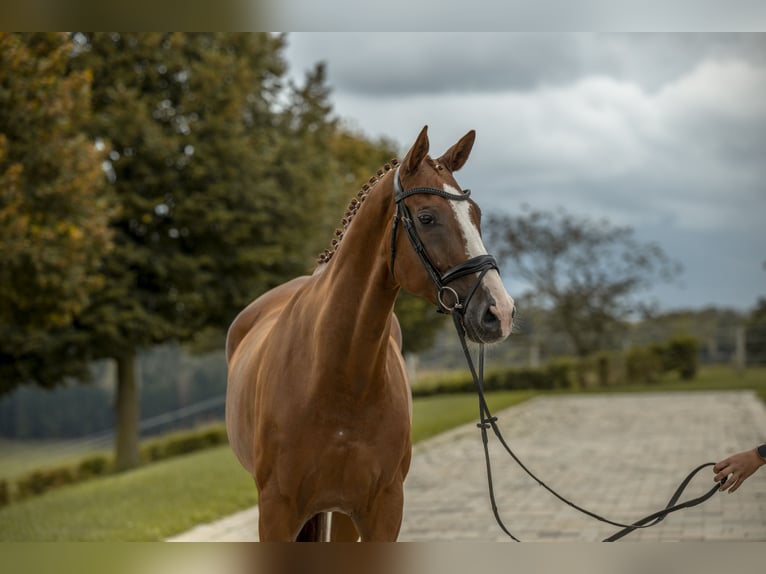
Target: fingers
[
  {"x": 725, "y": 472},
  {"x": 722, "y": 470},
  {"x": 734, "y": 479},
  {"x": 735, "y": 469},
  {"x": 728, "y": 483}
]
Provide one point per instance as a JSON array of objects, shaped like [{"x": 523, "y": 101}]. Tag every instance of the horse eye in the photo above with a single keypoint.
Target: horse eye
[{"x": 426, "y": 218}]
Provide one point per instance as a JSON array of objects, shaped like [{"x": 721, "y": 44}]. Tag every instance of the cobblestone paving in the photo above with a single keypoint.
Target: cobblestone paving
[{"x": 618, "y": 455}]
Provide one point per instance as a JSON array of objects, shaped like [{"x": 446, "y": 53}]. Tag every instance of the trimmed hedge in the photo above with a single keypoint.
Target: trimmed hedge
[
  {"x": 559, "y": 374},
  {"x": 644, "y": 364},
  {"x": 96, "y": 465},
  {"x": 647, "y": 364},
  {"x": 182, "y": 443},
  {"x": 41, "y": 481},
  {"x": 602, "y": 369},
  {"x": 680, "y": 354}
]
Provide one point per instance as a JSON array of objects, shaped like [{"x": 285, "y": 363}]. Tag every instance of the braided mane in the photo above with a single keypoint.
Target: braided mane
[{"x": 352, "y": 209}]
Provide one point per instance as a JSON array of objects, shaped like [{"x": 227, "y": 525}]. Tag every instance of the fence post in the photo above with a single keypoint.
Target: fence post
[{"x": 740, "y": 358}]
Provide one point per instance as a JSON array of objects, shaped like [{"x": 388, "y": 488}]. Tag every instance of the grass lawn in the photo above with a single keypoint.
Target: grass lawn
[
  {"x": 432, "y": 415},
  {"x": 146, "y": 504},
  {"x": 168, "y": 497}
]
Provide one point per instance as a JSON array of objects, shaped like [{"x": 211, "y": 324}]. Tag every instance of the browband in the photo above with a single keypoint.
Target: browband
[{"x": 400, "y": 194}]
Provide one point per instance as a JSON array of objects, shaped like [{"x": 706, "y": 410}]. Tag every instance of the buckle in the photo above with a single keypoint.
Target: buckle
[{"x": 453, "y": 294}]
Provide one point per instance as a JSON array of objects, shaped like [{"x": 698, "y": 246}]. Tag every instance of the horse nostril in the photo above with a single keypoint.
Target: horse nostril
[{"x": 490, "y": 319}]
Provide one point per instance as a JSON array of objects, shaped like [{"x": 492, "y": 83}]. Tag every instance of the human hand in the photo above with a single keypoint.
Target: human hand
[{"x": 737, "y": 467}]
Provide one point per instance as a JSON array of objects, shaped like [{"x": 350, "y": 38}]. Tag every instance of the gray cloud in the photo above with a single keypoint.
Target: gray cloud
[
  {"x": 521, "y": 15},
  {"x": 666, "y": 133},
  {"x": 402, "y": 63}
]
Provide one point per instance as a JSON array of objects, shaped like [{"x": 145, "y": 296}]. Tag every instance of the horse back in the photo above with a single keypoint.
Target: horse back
[{"x": 268, "y": 303}]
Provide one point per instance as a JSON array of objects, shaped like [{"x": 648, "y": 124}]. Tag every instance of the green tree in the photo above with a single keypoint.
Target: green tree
[
  {"x": 419, "y": 322},
  {"x": 217, "y": 182},
  {"x": 53, "y": 210},
  {"x": 226, "y": 179},
  {"x": 354, "y": 159},
  {"x": 586, "y": 272}
]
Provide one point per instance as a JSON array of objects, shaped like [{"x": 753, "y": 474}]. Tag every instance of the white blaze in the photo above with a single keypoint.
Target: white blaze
[{"x": 474, "y": 246}]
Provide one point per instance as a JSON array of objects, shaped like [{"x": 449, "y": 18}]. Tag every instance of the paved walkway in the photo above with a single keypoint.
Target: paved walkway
[{"x": 618, "y": 455}]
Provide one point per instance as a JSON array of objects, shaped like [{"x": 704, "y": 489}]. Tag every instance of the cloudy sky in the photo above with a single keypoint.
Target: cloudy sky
[{"x": 662, "y": 132}]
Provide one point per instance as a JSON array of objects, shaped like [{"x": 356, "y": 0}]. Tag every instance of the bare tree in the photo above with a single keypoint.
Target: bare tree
[{"x": 587, "y": 273}]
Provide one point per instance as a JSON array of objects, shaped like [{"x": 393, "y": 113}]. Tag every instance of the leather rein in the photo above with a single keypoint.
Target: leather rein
[{"x": 456, "y": 308}]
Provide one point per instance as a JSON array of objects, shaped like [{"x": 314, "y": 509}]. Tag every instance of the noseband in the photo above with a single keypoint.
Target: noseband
[{"x": 481, "y": 264}]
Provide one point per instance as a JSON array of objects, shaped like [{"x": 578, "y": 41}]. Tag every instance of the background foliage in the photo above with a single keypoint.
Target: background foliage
[
  {"x": 54, "y": 208},
  {"x": 154, "y": 184}
]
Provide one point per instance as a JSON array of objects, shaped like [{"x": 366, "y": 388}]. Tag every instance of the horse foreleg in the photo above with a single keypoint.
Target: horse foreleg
[
  {"x": 384, "y": 518},
  {"x": 343, "y": 529},
  {"x": 278, "y": 520}
]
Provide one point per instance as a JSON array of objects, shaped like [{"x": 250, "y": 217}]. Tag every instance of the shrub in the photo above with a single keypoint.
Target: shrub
[
  {"x": 608, "y": 368},
  {"x": 643, "y": 364},
  {"x": 681, "y": 355},
  {"x": 602, "y": 369},
  {"x": 183, "y": 443},
  {"x": 152, "y": 451},
  {"x": 40, "y": 481},
  {"x": 561, "y": 373},
  {"x": 457, "y": 382},
  {"x": 582, "y": 372},
  {"x": 5, "y": 495},
  {"x": 215, "y": 435},
  {"x": 96, "y": 465},
  {"x": 515, "y": 379}
]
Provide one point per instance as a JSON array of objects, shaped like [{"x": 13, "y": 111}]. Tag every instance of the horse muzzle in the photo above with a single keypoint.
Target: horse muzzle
[{"x": 489, "y": 316}]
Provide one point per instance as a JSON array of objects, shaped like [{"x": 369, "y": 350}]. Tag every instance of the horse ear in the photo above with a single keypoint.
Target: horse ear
[
  {"x": 456, "y": 156},
  {"x": 417, "y": 152}
]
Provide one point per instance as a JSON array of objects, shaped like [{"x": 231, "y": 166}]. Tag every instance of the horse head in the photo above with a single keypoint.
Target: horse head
[{"x": 445, "y": 259}]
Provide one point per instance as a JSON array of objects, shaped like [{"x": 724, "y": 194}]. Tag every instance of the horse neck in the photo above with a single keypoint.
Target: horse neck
[{"x": 356, "y": 289}]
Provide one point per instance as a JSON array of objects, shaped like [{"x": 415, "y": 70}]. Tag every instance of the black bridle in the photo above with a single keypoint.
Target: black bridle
[{"x": 481, "y": 264}]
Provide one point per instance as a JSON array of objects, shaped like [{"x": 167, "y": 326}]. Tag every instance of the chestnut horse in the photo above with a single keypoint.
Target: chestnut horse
[{"x": 318, "y": 405}]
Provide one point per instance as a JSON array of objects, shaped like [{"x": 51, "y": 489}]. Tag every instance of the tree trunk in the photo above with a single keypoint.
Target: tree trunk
[{"x": 127, "y": 411}]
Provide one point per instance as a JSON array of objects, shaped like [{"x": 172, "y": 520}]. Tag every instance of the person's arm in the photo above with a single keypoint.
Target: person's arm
[{"x": 739, "y": 467}]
